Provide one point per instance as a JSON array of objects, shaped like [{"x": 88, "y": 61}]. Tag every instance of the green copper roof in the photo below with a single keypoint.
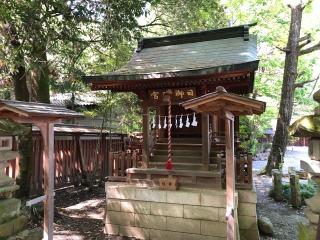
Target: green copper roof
[{"x": 192, "y": 54}]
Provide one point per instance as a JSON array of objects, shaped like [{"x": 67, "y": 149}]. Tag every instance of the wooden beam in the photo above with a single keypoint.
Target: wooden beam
[
  {"x": 205, "y": 140},
  {"x": 47, "y": 131},
  {"x": 230, "y": 173},
  {"x": 145, "y": 134}
]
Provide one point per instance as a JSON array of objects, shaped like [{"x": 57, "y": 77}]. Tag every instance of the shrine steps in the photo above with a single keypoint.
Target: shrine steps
[
  {"x": 178, "y": 146},
  {"x": 188, "y": 159},
  {"x": 181, "y": 140},
  {"x": 183, "y": 166}
]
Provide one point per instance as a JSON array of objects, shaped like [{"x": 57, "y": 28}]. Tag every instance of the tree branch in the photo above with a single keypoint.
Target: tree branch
[
  {"x": 301, "y": 84},
  {"x": 286, "y": 50},
  {"x": 310, "y": 49},
  {"x": 304, "y": 44},
  {"x": 306, "y": 37}
]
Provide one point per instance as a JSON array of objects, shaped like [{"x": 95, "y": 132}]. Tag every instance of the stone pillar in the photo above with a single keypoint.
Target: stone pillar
[{"x": 277, "y": 185}]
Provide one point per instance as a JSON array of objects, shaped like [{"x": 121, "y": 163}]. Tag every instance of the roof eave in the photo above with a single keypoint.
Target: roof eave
[{"x": 248, "y": 66}]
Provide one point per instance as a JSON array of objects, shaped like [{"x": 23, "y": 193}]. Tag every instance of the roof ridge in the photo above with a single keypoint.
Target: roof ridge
[
  {"x": 37, "y": 103},
  {"x": 200, "y": 36}
]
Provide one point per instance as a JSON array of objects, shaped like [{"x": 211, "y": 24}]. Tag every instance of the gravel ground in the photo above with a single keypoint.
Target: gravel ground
[
  {"x": 292, "y": 159},
  {"x": 284, "y": 218}
]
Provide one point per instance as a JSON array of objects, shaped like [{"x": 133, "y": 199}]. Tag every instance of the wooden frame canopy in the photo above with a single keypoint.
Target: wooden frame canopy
[
  {"x": 227, "y": 105},
  {"x": 221, "y": 100},
  {"x": 43, "y": 116}
]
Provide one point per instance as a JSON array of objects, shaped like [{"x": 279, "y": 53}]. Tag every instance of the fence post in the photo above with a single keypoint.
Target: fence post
[
  {"x": 295, "y": 190},
  {"x": 110, "y": 163},
  {"x": 277, "y": 185}
]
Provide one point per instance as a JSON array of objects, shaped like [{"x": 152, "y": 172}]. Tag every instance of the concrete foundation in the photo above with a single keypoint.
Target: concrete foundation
[{"x": 189, "y": 213}]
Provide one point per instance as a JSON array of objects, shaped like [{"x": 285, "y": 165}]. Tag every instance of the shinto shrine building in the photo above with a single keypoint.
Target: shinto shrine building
[{"x": 185, "y": 67}]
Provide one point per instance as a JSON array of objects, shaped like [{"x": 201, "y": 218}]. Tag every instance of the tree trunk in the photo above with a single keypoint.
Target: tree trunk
[
  {"x": 19, "y": 77},
  {"x": 40, "y": 76},
  {"x": 280, "y": 139}
]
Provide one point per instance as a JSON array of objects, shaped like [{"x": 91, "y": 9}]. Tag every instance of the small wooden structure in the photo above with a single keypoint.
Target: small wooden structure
[
  {"x": 227, "y": 106},
  {"x": 43, "y": 116}
]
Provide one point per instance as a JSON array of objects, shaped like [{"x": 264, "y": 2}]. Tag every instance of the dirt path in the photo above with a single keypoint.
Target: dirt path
[
  {"x": 80, "y": 214},
  {"x": 284, "y": 218}
]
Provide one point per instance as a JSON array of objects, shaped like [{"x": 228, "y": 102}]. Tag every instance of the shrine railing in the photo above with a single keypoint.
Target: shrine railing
[
  {"x": 243, "y": 171},
  {"x": 120, "y": 161}
]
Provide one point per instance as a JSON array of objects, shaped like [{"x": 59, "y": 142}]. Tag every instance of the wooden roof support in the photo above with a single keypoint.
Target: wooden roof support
[
  {"x": 227, "y": 105},
  {"x": 43, "y": 116}
]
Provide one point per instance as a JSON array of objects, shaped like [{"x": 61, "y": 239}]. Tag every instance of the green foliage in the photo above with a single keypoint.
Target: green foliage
[
  {"x": 53, "y": 38},
  {"x": 179, "y": 16},
  {"x": 252, "y": 128},
  {"x": 307, "y": 190}
]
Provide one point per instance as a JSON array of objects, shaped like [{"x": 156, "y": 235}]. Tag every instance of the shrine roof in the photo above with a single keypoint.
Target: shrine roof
[
  {"x": 221, "y": 100},
  {"x": 187, "y": 55},
  {"x": 33, "y": 109}
]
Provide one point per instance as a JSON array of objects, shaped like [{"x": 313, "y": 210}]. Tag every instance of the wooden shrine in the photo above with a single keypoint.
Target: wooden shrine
[
  {"x": 187, "y": 65},
  {"x": 43, "y": 116},
  {"x": 190, "y": 133}
]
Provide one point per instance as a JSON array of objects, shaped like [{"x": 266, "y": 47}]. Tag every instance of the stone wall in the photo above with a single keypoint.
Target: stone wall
[
  {"x": 149, "y": 213},
  {"x": 247, "y": 215}
]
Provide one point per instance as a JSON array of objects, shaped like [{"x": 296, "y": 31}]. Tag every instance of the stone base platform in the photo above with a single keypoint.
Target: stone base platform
[{"x": 189, "y": 213}]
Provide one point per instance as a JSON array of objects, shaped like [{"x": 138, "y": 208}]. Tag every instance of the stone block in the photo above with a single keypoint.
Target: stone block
[
  {"x": 167, "y": 235},
  {"x": 150, "y": 221},
  {"x": 216, "y": 229},
  {"x": 184, "y": 197},
  {"x": 120, "y": 218},
  {"x": 247, "y": 209},
  {"x": 212, "y": 200},
  {"x": 246, "y": 222},
  {"x": 6, "y": 229},
  {"x": 19, "y": 223},
  {"x": 247, "y": 196},
  {"x": 111, "y": 229},
  {"x": 13, "y": 226},
  {"x": 113, "y": 205},
  {"x": 183, "y": 225},
  {"x": 135, "y": 207},
  {"x": 135, "y": 232},
  {"x": 165, "y": 209},
  {"x": 313, "y": 218},
  {"x": 33, "y": 234},
  {"x": 150, "y": 195},
  {"x": 120, "y": 191},
  {"x": 9, "y": 208},
  {"x": 201, "y": 213},
  {"x": 222, "y": 215}
]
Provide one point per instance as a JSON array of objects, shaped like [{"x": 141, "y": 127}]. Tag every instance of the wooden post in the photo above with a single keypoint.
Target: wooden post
[
  {"x": 230, "y": 172},
  {"x": 205, "y": 140},
  {"x": 145, "y": 133},
  {"x": 47, "y": 130},
  {"x": 295, "y": 190},
  {"x": 277, "y": 185}
]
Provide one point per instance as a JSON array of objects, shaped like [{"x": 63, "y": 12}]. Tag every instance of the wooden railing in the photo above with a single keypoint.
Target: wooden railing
[
  {"x": 244, "y": 171},
  {"x": 74, "y": 155},
  {"x": 119, "y": 162}
]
